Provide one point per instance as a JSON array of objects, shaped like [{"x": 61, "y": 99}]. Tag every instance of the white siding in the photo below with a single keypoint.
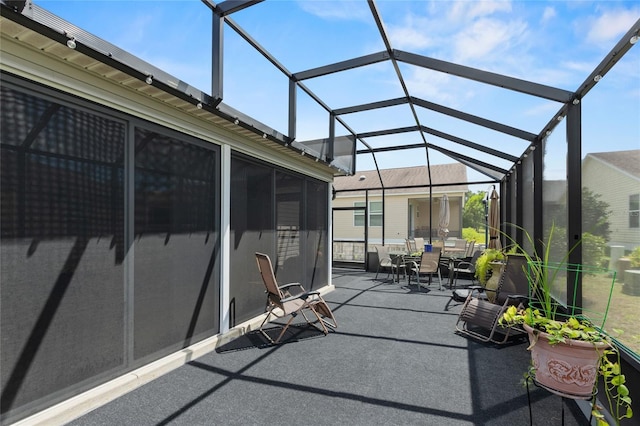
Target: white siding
[{"x": 614, "y": 188}]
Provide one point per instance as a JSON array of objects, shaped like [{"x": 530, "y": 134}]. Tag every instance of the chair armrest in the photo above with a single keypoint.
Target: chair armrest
[
  {"x": 476, "y": 287},
  {"x": 520, "y": 297},
  {"x": 304, "y": 295},
  {"x": 286, "y": 286},
  {"x": 481, "y": 288}
]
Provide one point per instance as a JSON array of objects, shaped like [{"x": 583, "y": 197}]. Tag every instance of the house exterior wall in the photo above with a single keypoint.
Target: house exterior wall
[
  {"x": 614, "y": 188},
  {"x": 397, "y": 217},
  {"x": 80, "y": 301}
]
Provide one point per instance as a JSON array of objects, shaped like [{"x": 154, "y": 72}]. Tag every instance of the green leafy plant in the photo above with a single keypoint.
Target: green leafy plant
[
  {"x": 635, "y": 257},
  {"x": 573, "y": 328},
  {"x": 615, "y": 388},
  {"x": 543, "y": 315},
  {"x": 472, "y": 234},
  {"x": 483, "y": 262}
]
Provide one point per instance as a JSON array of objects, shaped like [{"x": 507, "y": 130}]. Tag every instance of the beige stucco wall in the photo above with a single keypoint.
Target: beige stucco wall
[
  {"x": 396, "y": 216},
  {"x": 396, "y": 219}
]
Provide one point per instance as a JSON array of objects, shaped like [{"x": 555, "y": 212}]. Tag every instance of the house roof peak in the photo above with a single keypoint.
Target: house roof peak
[{"x": 447, "y": 177}]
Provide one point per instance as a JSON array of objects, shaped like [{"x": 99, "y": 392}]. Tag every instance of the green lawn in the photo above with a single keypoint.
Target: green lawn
[{"x": 623, "y": 309}]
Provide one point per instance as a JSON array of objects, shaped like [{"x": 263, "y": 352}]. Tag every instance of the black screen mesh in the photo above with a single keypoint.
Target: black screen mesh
[
  {"x": 176, "y": 243},
  {"x": 61, "y": 248}
]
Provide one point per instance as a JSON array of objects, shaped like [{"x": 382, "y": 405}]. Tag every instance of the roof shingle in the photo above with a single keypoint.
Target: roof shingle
[
  {"x": 627, "y": 161},
  {"x": 445, "y": 178}
]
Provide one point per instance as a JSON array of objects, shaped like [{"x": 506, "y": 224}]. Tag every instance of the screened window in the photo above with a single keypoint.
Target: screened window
[
  {"x": 375, "y": 213},
  {"x": 176, "y": 222},
  {"x": 282, "y": 214},
  {"x": 61, "y": 248},
  {"x": 634, "y": 211},
  {"x": 358, "y": 215}
]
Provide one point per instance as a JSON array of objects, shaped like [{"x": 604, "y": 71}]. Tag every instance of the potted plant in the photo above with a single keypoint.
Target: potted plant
[
  {"x": 569, "y": 354},
  {"x": 484, "y": 264}
]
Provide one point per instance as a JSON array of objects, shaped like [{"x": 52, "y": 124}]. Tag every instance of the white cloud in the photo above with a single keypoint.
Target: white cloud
[
  {"x": 548, "y": 14},
  {"x": 485, "y": 8},
  {"x": 544, "y": 109},
  {"x": 409, "y": 38},
  {"x": 138, "y": 28},
  {"x": 584, "y": 68},
  {"x": 486, "y": 37},
  {"x": 344, "y": 10},
  {"x": 610, "y": 25},
  {"x": 468, "y": 11},
  {"x": 437, "y": 87},
  {"x": 411, "y": 34}
]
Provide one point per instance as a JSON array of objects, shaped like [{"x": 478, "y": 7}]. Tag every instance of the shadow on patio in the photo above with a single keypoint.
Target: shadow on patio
[{"x": 393, "y": 360}]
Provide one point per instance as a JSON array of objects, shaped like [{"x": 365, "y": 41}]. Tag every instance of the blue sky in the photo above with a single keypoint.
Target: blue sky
[{"x": 557, "y": 43}]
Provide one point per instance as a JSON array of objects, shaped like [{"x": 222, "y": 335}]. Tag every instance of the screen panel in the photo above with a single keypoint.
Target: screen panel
[
  {"x": 176, "y": 243},
  {"x": 61, "y": 248},
  {"x": 252, "y": 230}
]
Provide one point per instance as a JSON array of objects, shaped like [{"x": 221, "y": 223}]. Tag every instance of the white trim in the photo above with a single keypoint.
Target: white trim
[
  {"x": 85, "y": 402},
  {"x": 328, "y": 263},
  {"x": 62, "y": 75},
  {"x": 225, "y": 238}
]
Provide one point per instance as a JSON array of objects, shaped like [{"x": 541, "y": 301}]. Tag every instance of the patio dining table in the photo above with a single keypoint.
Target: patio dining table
[
  {"x": 452, "y": 257},
  {"x": 401, "y": 259}
]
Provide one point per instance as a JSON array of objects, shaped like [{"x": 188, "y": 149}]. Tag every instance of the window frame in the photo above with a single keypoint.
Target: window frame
[
  {"x": 373, "y": 213},
  {"x": 634, "y": 211}
]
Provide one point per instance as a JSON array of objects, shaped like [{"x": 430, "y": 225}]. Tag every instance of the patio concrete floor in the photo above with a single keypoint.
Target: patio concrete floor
[{"x": 394, "y": 360}]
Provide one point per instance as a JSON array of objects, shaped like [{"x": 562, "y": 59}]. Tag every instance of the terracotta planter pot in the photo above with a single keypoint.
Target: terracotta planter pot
[{"x": 567, "y": 369}]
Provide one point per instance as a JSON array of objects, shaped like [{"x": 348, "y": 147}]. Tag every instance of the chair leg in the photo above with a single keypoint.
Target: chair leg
[
  {"x": 312, "y": 309},
  {"x": 323, "y": 309},
  {"x": 283, "y": 331},
  {"x": 269, "y": 313}
]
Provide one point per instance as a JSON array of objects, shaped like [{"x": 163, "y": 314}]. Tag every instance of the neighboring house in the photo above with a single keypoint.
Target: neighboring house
[
  {"x": 615, "y": 176},
  {"x": 407, "y": 208}
]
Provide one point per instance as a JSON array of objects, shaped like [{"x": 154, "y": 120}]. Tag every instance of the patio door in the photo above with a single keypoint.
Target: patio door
[{"x": 411, "y": 221}]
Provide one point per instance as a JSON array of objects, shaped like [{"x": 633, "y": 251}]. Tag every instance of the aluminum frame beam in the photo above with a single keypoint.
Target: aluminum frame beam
[
  {"x": 470, "y": 144},
  {"x": 231, "y": 6},
  {"x": 618, "y": 51},
  {"x": 493, "y": 125},
  {"x": 389, "y": 132},
  {"x": 511, "y": 83},
  {"x": 468, "y": 159},
  {"x": 371, "y": 106},
  {"x": 439, "y": 134},
  {"x": 349, "y": 64},
  {"x": 391, "y": 148}
]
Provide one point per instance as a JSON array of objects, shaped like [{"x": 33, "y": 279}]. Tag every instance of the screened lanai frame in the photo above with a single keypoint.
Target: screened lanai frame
[
  {"x": 507, "y": 178},
  {"x": 340, "y": 151}
]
